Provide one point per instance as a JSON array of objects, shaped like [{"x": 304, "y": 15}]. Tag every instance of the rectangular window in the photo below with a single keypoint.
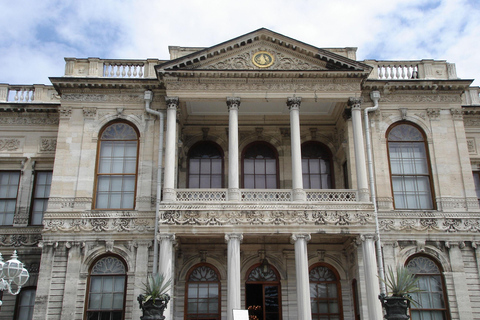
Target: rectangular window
[
  {"x": 41, "y": 192},
  {"x": 9, "y": 181},
  {"x": 476, "y": 179}
]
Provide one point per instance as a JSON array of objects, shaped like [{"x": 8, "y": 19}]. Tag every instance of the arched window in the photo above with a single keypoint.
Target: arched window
[
  {"x": 116, "y": 167},
  {"x": 106, "y": 290},
  {"x": 409, "y": 168},
  {"x": 262, "y": 293},
  {"x": 432, "y": 304},
  {"x": 205, "y": 165},
  {"x": 260, "y": 166},
  {"x": 325, "y": 293},
  {"x": 25, "y": 304},
  {"x": 203, "y": 293},
  {"x": 316, "y": 166}
]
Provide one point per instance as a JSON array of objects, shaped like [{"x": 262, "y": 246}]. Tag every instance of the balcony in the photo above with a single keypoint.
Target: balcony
[
  {"x": 412, "y": 70},
  {"x": 111, "y": 68},
  {"x": 265, "y": 195}
]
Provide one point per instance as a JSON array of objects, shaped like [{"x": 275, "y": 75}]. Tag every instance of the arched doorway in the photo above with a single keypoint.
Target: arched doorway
[{"x": 262, "y": 293}]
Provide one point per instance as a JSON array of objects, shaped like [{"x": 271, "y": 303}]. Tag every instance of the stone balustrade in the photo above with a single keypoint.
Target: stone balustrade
[
  {"x": 37, "y": 93},
  {"x": 111, "y": 68},
  {"x": 412, "y": 70},
  {"x": 265, "y": 195}
]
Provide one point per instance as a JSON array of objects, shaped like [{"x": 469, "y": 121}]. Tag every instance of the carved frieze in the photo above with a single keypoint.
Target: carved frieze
[
  {"x": 10, "y": 144},
  {"x": 17, "y": 240},
  {"x": 29, "y": 119},
  {"x": 101, "y": 224},
  {"x": 438, "y": 224},
  {"x": 421, "y": 98},
  {"x": 101, "y": 97},
  {"x": 472, "y": 145},
  {"x": 89, "y": 113},
  {"x": 48, "y": 144}
]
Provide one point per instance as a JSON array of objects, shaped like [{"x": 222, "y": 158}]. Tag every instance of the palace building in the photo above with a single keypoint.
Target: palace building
[{"x": 261, "y": 173}]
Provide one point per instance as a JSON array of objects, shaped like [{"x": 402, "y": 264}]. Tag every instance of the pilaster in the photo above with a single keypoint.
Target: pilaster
[
  {"x": 74, "y": 263},
  {"x": 166, "y": 267},
  {"x": 460, "y": 283},
  {"x": 371, "y": 277}
]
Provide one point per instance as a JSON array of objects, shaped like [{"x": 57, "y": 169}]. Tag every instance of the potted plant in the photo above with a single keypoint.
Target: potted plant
[
  {"x": 400, "y": 283},
  {"x": 154, "y": 299}
]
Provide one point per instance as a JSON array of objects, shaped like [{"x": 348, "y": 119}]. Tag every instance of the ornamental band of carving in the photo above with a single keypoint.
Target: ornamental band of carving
[{"x": 9, "y": 144}]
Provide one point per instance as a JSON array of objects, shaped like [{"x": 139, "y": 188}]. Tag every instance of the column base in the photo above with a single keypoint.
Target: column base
[
  {"x": 299, "y": 195},
  {"x": 234, "y": 194},
  {"x": 169, "y": 195}
]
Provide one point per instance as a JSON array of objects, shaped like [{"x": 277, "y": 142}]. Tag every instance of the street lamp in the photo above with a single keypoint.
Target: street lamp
[{"x": 12, "y": 271}]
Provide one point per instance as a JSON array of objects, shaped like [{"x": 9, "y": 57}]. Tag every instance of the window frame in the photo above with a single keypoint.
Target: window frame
[
  {"x": 19, "y": 296},
  {"x": 446, "y": 310},
  {"x": 222, "y": 157},
  {"x": 33, "y": 198},
  {"x": 338, "y": 288},
  {"x": 219, "y": 294},
  {"x": 427, "y": 159},
  {"x": 477, "y": 185},
  {"x": 3, "y": 214},
  {"x": 277, "y": 173},
  {"x": 87, "y": 292},
  {"x": 97, "y": 165},
  {"x": 329, "y": 160},
  {"x": 265, "y": 282}
]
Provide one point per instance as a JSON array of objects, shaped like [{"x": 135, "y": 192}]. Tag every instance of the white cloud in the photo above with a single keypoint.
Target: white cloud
[{"x": 38, "y": 34}]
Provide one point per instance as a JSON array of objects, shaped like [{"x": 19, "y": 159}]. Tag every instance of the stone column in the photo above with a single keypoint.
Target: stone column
[
  {"x": 165, "y": 267},
  {"x": 371, "y": 280},
  {"x": 233, "y": 273},
  {"x": 297, "y": 178},
  {"x": 72, "y": 274},
  {"x": 303, "y": 283},
  {"x": 233, "y": 176},
  {"x": 359, "y": 146},
  {"x": 141, "y": 271},
  {"x": 170, "y": 149},
  {"x": 459, "y": 278}
]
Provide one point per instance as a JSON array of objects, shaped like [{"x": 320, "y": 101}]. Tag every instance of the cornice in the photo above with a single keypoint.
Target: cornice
[{"x": 64, "y": 84}]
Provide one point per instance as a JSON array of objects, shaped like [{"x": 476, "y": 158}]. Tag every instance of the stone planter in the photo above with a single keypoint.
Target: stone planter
[
  {"x": 153, "y": 309},
  {"x": 396, "y": 308}
]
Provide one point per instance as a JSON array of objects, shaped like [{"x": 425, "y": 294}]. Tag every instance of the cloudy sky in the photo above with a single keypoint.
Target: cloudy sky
[{"x": 35, "y": 35}]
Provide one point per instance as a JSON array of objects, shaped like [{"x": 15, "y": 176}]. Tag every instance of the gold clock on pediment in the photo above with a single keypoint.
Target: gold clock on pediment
[{"x": 263, "y": 59}]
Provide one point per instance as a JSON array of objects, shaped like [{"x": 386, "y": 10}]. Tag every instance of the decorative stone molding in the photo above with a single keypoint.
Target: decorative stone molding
[
  {"x": 20, "y": 240},
  {"x": 65, "y": 112},
  {"x": 421, "y": 98},
  {"x": 471, "y": 121},
  {"x": 294, "y": 102},
  {"x": 114, "y": 98},
  {"x": 433, "y": 114},
  {"x": 354, "y": 102},
  {"x": 273, "y": 218},
  {"x": 297, "y": 236},
  {"x": 172, "y": 102},
  {"x": 48, "y": 145},
  {"x": 89, "y": 113},
  {"x": 472, "y": 145},
  {"x": 110, "y": 224},
  {"x": 439, "y": 224},
  {"x": 229, "y": 236},
  {"x": 457, "y": 114},
  {"x": 21, "y": 217},
  {"x": 10, "y": 144},
  {"x": 29, "y": 119},
  {"x": 270, "y": 86}
]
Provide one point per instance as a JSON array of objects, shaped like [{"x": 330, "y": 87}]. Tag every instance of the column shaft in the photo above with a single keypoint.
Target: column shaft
[
  {"x": 359, "y": 146},
  {"x": 233, "y": 273},
  {"x": 233, "y": 173},
  {"x": 170, "y": 149},
  {"x": 297, "y": 179},
  {"x": 371, "y": 279},
  {"x": 165, "y": 267},
  {"x": 301, "y": 268}
]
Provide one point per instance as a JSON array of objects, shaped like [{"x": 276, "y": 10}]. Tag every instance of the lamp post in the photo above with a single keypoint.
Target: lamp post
[{"x": 12, "y": 272}]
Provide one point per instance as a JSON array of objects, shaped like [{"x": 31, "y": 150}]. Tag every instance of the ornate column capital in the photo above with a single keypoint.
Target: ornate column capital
[
  {"x": 172, "y": 102},
  {"x": 233, "y": 103},
  {"x": 298, "y": 236},
  {"x": 232, "y": 236},
  {"x": 294, "y": 103},
  {"x": 355, "y": 102},
  {"x": 166, "y": 237}
]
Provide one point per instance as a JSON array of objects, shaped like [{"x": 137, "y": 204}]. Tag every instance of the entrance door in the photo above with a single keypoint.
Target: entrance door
[{"x": 262, "y": 294}]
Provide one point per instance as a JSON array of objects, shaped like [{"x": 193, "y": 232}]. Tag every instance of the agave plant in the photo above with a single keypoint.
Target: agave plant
[
  {"x": 156, "y": 287},
  {"x": 401, "y": 283}
]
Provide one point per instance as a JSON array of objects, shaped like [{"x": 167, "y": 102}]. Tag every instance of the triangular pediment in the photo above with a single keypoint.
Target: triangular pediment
[{"x": 262, "y": 51}]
